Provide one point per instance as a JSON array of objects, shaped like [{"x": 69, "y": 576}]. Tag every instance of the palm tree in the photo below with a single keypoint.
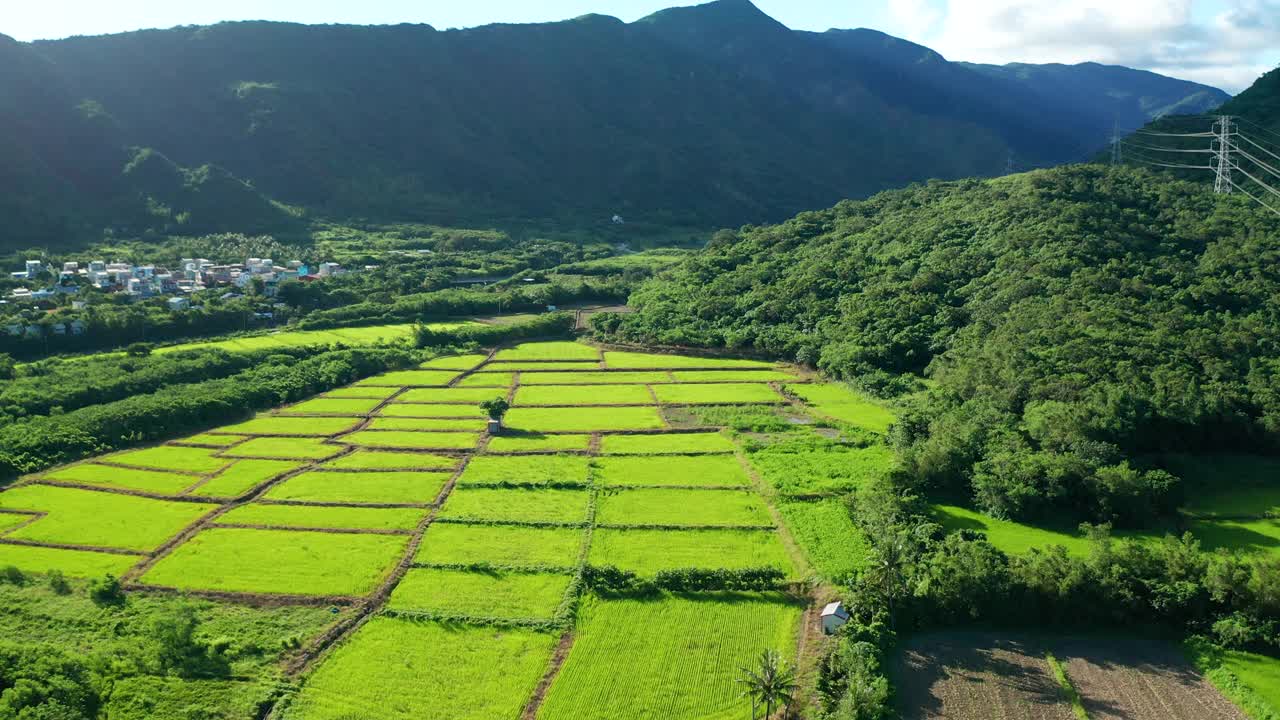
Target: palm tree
[{"x": 770, "y": 684}]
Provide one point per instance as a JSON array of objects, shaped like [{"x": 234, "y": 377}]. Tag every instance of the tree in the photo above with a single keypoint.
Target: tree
[
  {"x": 7, "y": 366},
  {"x": 770, "y": 683},
  {"x": 496, "y": 407}
]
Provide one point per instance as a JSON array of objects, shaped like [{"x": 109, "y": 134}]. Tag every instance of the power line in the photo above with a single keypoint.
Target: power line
[
  {"x": 1263, "y": 149},
  {"x": 1256, "y": 199},
  {"x": 1173, "y": 150},
  {"x": 1265, "y": 186},
  {"x": 1257, "y": 162},
  {"x": 1256, "y": 126},
  {"x": 1163, "y": 134}
]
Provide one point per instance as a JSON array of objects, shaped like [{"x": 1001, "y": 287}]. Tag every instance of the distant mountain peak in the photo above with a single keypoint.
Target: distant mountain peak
[{"x": 729, "y": 16}]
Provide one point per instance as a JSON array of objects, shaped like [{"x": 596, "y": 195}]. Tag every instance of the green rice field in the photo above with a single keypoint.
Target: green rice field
[
  {"x": 171, "y": 457},
  {"x": 366, "y": 393},
  {"x": 382, "y": 460},
  {"x": 624, "y": 360},
  {"x": 527, "y": 470},
  {"x": 535, "y": 442},
  {"x": 585, "y": 419},
  {"x": 500, "y": 546},
  {"x": 549, "y": 351},
  {"x": 584, "y": 395},
  {"x": 516, "y": 505},
  {"x": 497, "y": 381},
  {"x": 493, "y": 594},
  {"x": 284, "y": 448},
  {"x": 647, "y": 551},
  {"x": 594, "y": 378},
  {"x": 397, "y": 423},
  {"x": 688, "y": 508},
  {"x": 817, "y": 472},
  {"x": 211, "y": 440},
  {"x": 405, "y": 439},
  {"x": 666, "y": 444},
  {"x": 734, "y": 376},
  {"x": 716, "y": 394},
  {"x": 453, "y": 362},
  {"x": 98, "y": 519},
  {"x": 678, "y": 656},
  {"x": 466, "y": 396},
  {"x": 75, "y": 563},
  {"x": 371, "y": 335},
  {"x": 288, "y": 562},
  {"x": 409, "y": 378},
  {"x": 332, "y": 406},
  {"x": 433, "y": 410},
  {"x": 151, "y": 481},
  {"x": 420, "y": 669},
  {"x": 534, "y": 366},
  {"x": 704, "y": 470},
  {"x": 832, "y": 543},
  {"x": 358, "y": 487},
  {"x": 308, "y": 516},
  {"x": 243, "y": 476},
  {"x": 840, "y": 402},
  {"x": 302, "y": 426}
]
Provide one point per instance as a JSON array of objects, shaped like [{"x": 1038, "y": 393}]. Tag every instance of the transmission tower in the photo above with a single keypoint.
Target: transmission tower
[
  {"x": 1117, "y": 154},
  {"x": 1221, "y": 160}
]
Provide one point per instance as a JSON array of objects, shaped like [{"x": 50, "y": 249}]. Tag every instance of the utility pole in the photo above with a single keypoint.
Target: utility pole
[{"x": 1221, "y": 160}]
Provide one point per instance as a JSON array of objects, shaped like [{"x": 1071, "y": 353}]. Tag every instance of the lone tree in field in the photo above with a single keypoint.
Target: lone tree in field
[
  {"x": 770, "y": 683},
  {"x": 496, "y": 408}
]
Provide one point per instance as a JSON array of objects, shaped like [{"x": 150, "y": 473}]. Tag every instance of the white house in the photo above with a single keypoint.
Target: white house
[
  {"x": 179, "y": 303},
  {"x": 834, "y": 616}
]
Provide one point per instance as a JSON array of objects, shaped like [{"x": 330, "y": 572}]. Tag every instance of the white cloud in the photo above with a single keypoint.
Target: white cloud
[
  {"x": 915, "y": 18},
  {"x": 1229, "y": 50}
]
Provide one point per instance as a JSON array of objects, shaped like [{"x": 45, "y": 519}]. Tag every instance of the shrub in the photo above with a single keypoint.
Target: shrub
[{"x": 106, "y": 591}]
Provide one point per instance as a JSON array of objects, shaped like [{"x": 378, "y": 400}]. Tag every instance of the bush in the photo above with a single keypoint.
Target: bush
[
  {"x": 12, "y": 575},
  {"x": 58, "y": 583},
  {"x": 106, "y": 591}
]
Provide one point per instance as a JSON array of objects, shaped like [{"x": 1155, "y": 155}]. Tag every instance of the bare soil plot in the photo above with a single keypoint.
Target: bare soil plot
[
  {"x": 1133, "y": 679},
  {"x": 977, "y": 676}
]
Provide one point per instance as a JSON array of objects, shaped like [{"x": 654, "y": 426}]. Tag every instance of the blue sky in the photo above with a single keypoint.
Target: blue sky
[{"x": 1226, "y": 43}]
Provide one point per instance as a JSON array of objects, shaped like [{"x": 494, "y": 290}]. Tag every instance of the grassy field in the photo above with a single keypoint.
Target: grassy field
[
  {"x": 170, "y": 457},
  {"x": 583, "y": 395},
  {"x": 584, "y": 419},
  {"x": 1224, "y": 485},
  {"x": 666, "y": 444},
  {"x": 496, "y": 594},
  {"x": 516, "y": 505},
  {"x": 371, "y": 335},
  {"x": 409, "y": 670},
  {"x": 835, "y": 470},
  {"x": 285, "y": 448},
  {"x": 1259, "y": 674},
  {"x": 152, "y": 481},
  {"x": 530, "y": 470},
  {"x": 498, "y": 546},
  {"x": 243, "y": 476},
  {"x": 689, "y": 508},
  {"x": 332, "y": 406},
  {"x": 397, "y": 423},
  {"x": 383, "y": 460},
  {"x": 405, "y": 439},
  {"x": 708, "y": 470},
  {"x": 841, "y": 403},
  {"x": 403, "y": 378},
  {"x": 76, "y": 563},
  {"x": 716, "y": 394},
  {"x": 302, "y": 426},
  {"x": 534, "y": 442},
  {"x": 1245, "y": 536},
  {"x": 645, "y": 552},
  {"x": 682, "y": 657},
  {"x": 594, "y": 378},
  {"x": 832, "y": 543},
  {"x": 644, "y": 361},
  {"x": 1011, "y": 537},
  {"x": 306, "y": 516},
  {"x": 549, "y": 351},
  {"x": 464, "y": 396},
  {"x": 362, "y": 487},
  {"x": 434, "y": 410},
  {"x": 279, "y": 561},
  {"x": 98, "y": 519}
]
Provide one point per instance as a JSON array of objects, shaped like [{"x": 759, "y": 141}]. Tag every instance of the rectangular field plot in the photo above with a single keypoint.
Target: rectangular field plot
[
  {"x": 594, "y": 378},
  {"x": 409, "y": 440},
  {"x": 1134, "y": 679},
  {"x": 1222, "y": 485},
  {"x": 499, "y": 546},
  {"x": 410, "y": 378},
  {"x": 366, "y": 393},
  {"x": 666, "y": 444},
  {"x": 535, "y": 442},
  {"x": 495, "y": 594},
  {"x": 453, "y": 362},
  {"x": 516, "y": 505},
  {"x": 396, "y": 423},
  {"x": 362, "y": 487},
  {"x": 304, "y": 426},
  {"x": 689, "y": 508},
  {"x": 974, "y": 676},
  {"x": 464, "y": 396},
  {"x": 677, "y": 658},
  {"x": 76, "y": 563},
  {"x": 213, "y": 441},
  {"x": 404, "y": 669},
  {"x": 646, "y": 361},
  {"x": 434, "y": 410},
  {"x": 837, "y": 470},
  {"x": 706, "y": 470},
  {"x": 309, "y": 516},
  {"x": 841, "y": 403},
  {"x": 527, "y": 470},
  {"x": 285, "y": 448},
  {"x": 9, "y": 521},
  {"x": 586, "y": 419},
  {"x": 243, "y": 476},
  {"x": 332, "y": 406},
  {"x": 716, "y": 394},
  {"x": 736, "y": 376},
  {"x": 288, "y": 562},
  {"x": 549, "y": 351},
  {"x": 583, "y": 395},
  {"x": 170, "y": 457},
  {"x": 152, "y": 481},
  {"x": 534, "y": 366},
  {"x": 645, "y": 552},
  {"x": 823, "y": 529},
  {"x": 376, "y": 460},
  {"x": 98, "y": 519},
  {"x": 497, "y": 381}
]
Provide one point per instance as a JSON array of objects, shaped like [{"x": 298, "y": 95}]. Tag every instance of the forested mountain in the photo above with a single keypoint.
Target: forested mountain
[
  {"x": 1074, "y": 321},
  {"x": 711, "y": 115}
]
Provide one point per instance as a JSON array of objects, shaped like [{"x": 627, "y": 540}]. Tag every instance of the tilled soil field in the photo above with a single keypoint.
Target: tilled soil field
[
  {"x": 978, "y": 676},
  {"x": 1140, "y": 680}
]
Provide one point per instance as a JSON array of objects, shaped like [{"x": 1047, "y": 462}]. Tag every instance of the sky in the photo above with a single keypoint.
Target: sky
[{"x": 1225, "y": 43}]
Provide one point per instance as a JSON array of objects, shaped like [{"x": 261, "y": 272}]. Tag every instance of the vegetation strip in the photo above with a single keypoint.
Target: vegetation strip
[{"x": 1068, "y": 690}]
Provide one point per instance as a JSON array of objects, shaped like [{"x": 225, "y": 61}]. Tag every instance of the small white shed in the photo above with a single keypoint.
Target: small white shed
[{"x": 833, "y": 617}]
